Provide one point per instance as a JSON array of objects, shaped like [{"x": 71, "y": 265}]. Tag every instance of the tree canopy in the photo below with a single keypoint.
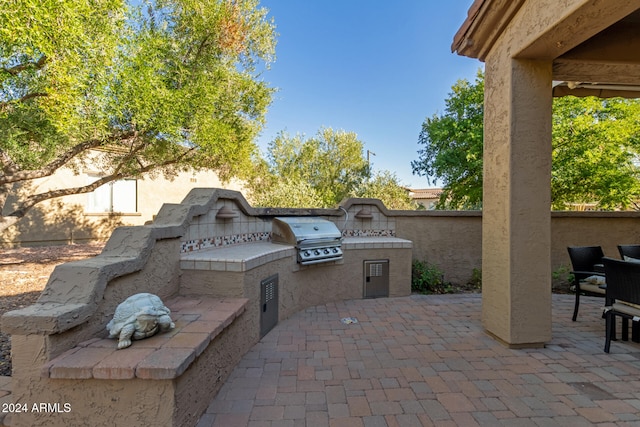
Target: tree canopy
[
  {"x": 386, "y": 187},
  {"x": 595, "y": 150},
  {"x": 452, "y": 144},
  {"x": 153, "y": 86},
  {"x": 325, "y": 167},
  {"x": 595, "y": 153},
  {"x": 320, "y": 172}
]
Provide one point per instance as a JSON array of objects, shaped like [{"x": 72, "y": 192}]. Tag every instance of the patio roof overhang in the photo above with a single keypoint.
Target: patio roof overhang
[{"x": 601, "y": 60}]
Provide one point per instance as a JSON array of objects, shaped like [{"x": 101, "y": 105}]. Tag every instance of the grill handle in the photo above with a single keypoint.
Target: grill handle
[
  {"x": 321, "y": 260},
  {"x": 323, "y": 242}
]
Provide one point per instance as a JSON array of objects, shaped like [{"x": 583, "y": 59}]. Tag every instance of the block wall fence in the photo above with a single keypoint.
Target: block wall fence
[{"x": 452, "y": 240}]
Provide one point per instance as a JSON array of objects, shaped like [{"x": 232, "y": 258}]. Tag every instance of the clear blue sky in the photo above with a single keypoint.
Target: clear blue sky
[{"x": 376, "y": 68}]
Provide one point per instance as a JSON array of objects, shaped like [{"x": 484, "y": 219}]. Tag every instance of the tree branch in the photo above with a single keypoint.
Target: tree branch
[
  {"x": 33, "y": 200},
  {"x": 60, "y": 161},
  {"x": 5, "y": 105},
  {"x": 7, "y": 163},
  {"x": 17, "y": 69},
  {"x": 201, "y": 46}
]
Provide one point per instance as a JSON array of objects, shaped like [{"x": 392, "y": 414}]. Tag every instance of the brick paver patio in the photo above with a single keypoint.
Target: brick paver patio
[{"x": 425, "y": 360}]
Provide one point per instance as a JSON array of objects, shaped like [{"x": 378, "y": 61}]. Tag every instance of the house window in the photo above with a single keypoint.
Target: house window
[{"x": 117, "y": 196}]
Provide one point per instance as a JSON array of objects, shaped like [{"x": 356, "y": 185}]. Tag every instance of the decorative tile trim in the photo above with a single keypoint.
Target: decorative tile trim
[
  {"x": 369, "y": 233},
  {"x": 235, "y": 239},
  {"x": 220, "y": 241}
]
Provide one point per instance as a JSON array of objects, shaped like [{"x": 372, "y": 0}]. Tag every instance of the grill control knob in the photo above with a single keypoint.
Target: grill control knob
[
  {"x": 326, "y": 251},
  {"x": 316, "y": 252},
  {"x": 306, "y": 253},
  {"x": 335, "y": 251}
]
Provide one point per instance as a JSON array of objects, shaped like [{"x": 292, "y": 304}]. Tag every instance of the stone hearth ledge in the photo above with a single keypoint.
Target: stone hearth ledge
[
  {"x": 163, "y": 356},
  {"x": 246, "y": 256}
]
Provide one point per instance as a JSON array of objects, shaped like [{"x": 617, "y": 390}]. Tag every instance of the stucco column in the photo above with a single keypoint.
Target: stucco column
[{"x": 516, "y": 232}]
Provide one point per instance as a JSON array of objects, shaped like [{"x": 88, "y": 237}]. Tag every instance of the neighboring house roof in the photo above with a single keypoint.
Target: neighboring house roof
[
  {"x": 427, "y": 197},
  {"x": 425, "y": 193}
]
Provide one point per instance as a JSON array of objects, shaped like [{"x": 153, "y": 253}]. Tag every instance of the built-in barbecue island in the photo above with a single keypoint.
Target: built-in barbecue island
[
  {"x": 227, "y": 271},
  {"x": 284, "y": 264}
]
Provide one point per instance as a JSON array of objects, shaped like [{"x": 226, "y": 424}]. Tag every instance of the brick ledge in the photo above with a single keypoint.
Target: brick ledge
[{"x": 163, "y": 356}]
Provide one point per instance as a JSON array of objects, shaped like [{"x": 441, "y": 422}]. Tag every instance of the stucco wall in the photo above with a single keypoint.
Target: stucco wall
[
  {"x": 450, "y": 240},
  {"x": 606, "y": 229},
  {"x": 453, "y": 240}
]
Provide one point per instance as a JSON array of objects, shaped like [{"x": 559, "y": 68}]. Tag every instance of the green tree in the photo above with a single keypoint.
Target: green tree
[
  {"x": 452, "y": 150},
  {"x": 315, "y": 172},
  {"x": 153, "y": 86},
  {"x": 595, "y": 145},
  {"x": 268, "y": 189},
  {"x": 386, "y": 187}
]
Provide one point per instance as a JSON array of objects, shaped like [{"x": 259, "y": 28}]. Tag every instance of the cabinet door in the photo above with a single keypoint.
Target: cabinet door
[
  {"x": 376, "y": 278},
  {"x": 268, "y": 304}
]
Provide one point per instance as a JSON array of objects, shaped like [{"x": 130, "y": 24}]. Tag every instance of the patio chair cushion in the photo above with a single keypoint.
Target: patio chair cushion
[
  {"x": 627, "y": 308},
  {"x": 591, "y": 287},
  {"x": 629, "y": 259},
  {"x": 630, "y": 304},
  {"x": 595, "y": 280},
  {"x": 594, "y": 284}
]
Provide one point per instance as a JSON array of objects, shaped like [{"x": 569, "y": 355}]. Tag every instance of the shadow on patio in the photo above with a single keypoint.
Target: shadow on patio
[{"x": 425, "y": 360}]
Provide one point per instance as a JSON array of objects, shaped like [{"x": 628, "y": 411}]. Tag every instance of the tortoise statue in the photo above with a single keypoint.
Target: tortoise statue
[{"x": 139, "y": 316}]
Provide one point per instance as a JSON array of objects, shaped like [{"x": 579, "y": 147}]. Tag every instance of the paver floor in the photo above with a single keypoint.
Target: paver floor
[{"x": 426, "y": 360}]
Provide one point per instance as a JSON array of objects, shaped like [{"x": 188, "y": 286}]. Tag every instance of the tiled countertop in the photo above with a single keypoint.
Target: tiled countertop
[
  {"x": 376, "y": 243},
  {"x": 247, "y": 256},
  {"x": 240, "y": 257}
]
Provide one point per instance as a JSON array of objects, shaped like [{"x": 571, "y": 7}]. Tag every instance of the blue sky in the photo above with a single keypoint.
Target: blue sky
[{"x": 376, "y": 68}]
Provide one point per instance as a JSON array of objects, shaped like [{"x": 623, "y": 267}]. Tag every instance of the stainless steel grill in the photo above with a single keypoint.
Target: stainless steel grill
[{"x": 317, "y": 240}]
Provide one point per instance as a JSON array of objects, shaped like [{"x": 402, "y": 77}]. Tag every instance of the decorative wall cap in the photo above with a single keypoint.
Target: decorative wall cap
[{"x": 226, "y": 212}]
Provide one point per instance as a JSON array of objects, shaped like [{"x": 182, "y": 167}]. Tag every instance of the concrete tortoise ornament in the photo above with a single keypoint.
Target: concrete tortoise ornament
[{"x": 139, "y": 316}]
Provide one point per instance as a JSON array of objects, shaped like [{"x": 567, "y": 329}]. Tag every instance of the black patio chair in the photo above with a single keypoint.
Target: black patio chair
[
  {"x": 623, "y": 293},
  {"x": 629, "y": 251},
  {"x": 586, "y": 262}
]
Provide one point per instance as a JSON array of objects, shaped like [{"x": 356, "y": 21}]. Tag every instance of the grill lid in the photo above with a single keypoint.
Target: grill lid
[
  {"x": 316, "y": 239},
  {"x": 304, "y": 231}
]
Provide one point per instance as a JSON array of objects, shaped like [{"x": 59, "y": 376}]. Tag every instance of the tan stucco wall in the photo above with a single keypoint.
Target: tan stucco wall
[
  {"x": 69, "y": 284},
  {"x": 606, "y": 229},
  {"x": 453, "y": 240},
  {"x": 450, "y": 240}
]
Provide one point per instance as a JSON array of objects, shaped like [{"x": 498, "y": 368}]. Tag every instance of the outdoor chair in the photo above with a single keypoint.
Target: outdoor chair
[
  {"x": 588, "y": 272},
  {"x": 623, "y": 295},
  {"x": 629, "y": 251}
]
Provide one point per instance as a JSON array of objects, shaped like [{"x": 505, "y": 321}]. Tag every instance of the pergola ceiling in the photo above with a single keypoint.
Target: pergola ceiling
[{"x": 606, "y": 65}]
